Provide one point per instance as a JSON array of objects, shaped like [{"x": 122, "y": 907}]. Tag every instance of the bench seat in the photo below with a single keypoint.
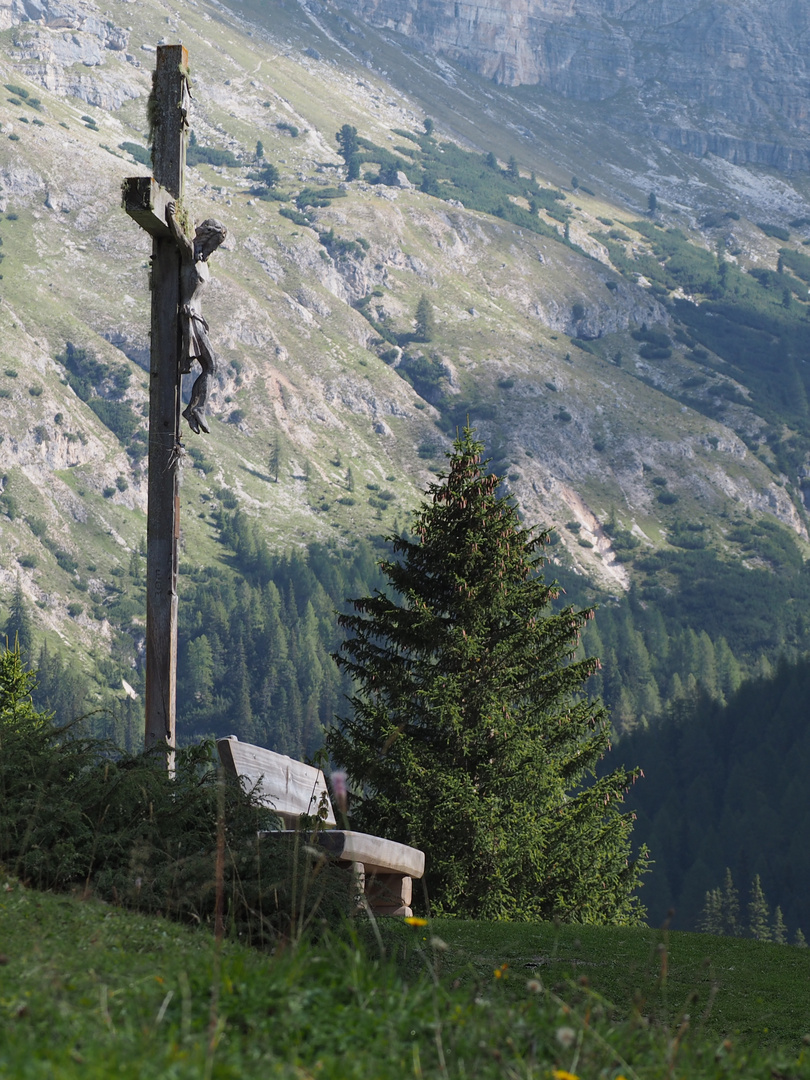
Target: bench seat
[{"x": 385, "y": 868}]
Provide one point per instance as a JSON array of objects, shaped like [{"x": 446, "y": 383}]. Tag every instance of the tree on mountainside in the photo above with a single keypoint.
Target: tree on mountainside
[
  {"x": 274, "y": 462},
  {"x": 17, "y": 712},
  {"x": 268, "y": 174},
  {"x": 19, "y": 630},
  {"x": 469, "y": 734},
  {"x": 425, "y": 324},
  {"x": 348, "y": 148}
]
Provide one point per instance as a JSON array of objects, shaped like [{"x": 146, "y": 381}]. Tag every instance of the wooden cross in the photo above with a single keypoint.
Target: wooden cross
[{"x": 145, "y": 200}]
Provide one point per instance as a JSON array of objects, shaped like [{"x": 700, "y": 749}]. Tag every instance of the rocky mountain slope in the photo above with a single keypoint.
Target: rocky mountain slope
[
  {"x": 720, "y": 78},
  {"x": 322, "y": 428}
]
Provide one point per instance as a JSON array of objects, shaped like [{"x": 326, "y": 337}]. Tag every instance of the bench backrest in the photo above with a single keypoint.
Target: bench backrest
[{"x": 287, "y": 786}]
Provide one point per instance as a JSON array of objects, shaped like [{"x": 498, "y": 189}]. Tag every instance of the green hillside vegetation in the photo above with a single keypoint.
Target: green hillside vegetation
[
  {"x": 196, "y": 154},
  {"x": 445, "y": 170},
  {"x": 756, "y": 324},
  {"x": 695, "y": 619},
  {"x": 257, "y": 631},
  {"x": 102, "y": 386},
  {"x": 254, "y": 646},
  {"x": 89, "y": 988}
]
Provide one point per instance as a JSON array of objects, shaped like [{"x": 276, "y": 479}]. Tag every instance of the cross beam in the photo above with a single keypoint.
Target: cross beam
[{"x": 145, "y": 200}]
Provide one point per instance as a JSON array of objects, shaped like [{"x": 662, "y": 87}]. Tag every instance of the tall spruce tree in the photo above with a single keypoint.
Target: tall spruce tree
[
  {"x": 425, "y": 322},
  {"x": 17, "y": 711},
  {"x": 19, "y": 631},
  {"x": 721, "y": 910},
  {"x": 710, "y": 920},
  {"x": 348, "y": 148},
  {"x": 731, "y": 907},
  {"x": 469, "y": 735},
  {"x": 759, "y": 916},
  {"x": 779, "y": 930}
]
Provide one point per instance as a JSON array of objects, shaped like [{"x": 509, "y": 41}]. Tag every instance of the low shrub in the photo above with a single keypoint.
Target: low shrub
[
  {"x": 75, "y": 812},
  {"x": 776, "y": 231},
  {"x": 141, "y": 154}
]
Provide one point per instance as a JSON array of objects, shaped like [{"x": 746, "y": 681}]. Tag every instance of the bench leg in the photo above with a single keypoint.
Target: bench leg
[{"x": 390, "y": 894}]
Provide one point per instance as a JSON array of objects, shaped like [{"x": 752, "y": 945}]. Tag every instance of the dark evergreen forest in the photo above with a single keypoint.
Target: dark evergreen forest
[{"x": 724, "y": 787}]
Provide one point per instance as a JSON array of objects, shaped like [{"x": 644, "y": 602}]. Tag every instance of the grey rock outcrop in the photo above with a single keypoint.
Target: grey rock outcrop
[
  {"x": 56, "y": 38},
  {"x": 699, "y": 69}
]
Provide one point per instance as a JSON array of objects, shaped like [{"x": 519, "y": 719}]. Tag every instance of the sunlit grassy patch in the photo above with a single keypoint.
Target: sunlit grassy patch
[{"x": 90, "y": 991}]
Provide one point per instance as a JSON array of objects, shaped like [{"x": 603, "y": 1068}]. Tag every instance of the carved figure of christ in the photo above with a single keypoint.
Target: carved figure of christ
[{"x": 194, "y": 276}]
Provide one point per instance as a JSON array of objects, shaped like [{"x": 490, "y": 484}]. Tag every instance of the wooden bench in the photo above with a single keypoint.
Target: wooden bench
[{"x": 385, "y": 868}]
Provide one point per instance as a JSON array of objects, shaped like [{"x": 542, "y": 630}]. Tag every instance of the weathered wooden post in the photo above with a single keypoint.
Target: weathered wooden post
[{"x": 146, "y": 200}]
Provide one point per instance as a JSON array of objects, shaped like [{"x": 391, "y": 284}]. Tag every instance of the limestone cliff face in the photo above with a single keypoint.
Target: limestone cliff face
[
  {"x": 64, "y": 46},
  {"x": 699, "y": 69}
]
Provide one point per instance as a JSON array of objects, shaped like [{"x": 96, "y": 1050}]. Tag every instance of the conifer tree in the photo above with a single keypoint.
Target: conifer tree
[
  {"x": 711, "y": 917},
  {"x": 201, "y": 669},
  {"x": 17, "y": 711},
  {"x": 799, "y": 939},
  {"x": 424, "y": 319},
  {"x": 778, "y": 930},
  {"x": 275, "y": 460},
  {"x": 731, "y": 907},
  {"x": 19, "y": 630},
  {"x": 758, "y": 912},
  {"x": 469, "y": 735},
  {"x": 348, "y": 148},
  {"x": 135, "y": 567},
  {"x": 61, "y": 687},
  {"x": 241, "y": 712},
  {"x": 268, "y": 174}
]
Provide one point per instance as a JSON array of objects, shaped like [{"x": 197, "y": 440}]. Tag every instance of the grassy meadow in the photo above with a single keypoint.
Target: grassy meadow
[{"x": 89, "y": 990}]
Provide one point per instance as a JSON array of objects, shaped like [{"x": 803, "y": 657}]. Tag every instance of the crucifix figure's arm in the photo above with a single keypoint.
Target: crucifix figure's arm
[{"x": 178, "y": 232}]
